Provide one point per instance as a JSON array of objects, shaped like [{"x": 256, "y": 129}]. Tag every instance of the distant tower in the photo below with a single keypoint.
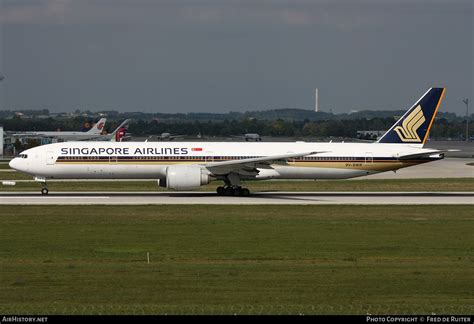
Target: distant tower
[
  {"x": 316, "y": 100},
  {"x": 1, "y": 141}
]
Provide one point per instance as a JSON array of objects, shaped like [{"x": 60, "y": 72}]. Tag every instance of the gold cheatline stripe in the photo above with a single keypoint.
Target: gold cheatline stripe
[{"x": 383, "y": 166}]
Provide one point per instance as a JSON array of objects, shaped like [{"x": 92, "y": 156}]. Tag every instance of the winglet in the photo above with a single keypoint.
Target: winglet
[{"x": 414, "y": 126}]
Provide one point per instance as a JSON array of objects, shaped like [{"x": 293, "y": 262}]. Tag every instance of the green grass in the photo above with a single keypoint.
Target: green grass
[
  {"x": 447, "y": 184},
  {"x": 4, "y": 165},
  {"x": 8, "y": 174},
  {"x": 236, "y": 259}
]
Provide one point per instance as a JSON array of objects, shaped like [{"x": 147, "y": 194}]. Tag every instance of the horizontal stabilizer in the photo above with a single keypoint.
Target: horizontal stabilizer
[{"x": 424, "y": 154}]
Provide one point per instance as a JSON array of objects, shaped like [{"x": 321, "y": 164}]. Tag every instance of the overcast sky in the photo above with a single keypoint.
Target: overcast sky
[{"x": 233, "y": 55}]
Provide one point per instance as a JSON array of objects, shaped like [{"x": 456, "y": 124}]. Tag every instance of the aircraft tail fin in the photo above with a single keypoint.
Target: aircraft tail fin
[
  {"x": 119, "y": 133},
  {"x": 414, "y": 126},
  {"x": 98, "y": 127}
]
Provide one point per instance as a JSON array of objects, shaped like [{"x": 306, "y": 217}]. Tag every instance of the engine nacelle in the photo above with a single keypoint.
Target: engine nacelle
[{"x": 184, "y": 177}]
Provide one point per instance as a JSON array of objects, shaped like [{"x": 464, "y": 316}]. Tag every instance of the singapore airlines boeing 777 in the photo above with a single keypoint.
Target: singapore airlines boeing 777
[{"x": 189, "y": 165}]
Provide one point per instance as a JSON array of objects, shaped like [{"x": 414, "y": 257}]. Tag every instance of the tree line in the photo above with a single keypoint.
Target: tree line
[{"x": 442, "y": 128}]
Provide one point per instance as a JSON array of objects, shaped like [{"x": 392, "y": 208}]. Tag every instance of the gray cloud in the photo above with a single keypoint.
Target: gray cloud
[
  {"x": 233, "y": 55},
  {"x": 341, "y": 14}
]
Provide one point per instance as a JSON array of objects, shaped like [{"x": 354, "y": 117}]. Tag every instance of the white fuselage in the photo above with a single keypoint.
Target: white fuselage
[
  {"x": 65, "y": 136},
  {"x": 149, "y": 160}
]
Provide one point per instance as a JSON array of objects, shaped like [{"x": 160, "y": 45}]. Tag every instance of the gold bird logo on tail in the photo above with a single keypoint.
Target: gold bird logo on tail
[{"x": 408, "y": 131}]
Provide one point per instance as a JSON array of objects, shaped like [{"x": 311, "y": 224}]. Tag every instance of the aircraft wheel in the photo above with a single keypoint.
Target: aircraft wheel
[
  {"x": 220, "y": 191},
  {"x": 245, "y": 192},
  {"x": 44, "y": 191},
  {"x": 228, "y": 191},
  {"x": 238, "y": 192}
]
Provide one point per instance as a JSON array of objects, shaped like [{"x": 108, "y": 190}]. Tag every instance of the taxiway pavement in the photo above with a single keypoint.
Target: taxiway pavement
[
  {"x": 446, "y": 168},
  {"x": 257, "y": 198}
]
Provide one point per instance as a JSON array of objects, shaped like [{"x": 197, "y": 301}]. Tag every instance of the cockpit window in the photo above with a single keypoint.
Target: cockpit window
[{"x": 23, "y": 156}]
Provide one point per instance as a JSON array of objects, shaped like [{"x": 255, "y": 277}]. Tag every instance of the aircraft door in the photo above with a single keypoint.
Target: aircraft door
[
  {"x": 209, "y": 157},
  {"x": 50, "y": 159},
  {"x": 369, "y": 158}
]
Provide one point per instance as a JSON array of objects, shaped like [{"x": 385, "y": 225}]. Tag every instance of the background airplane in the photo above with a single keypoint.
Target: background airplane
[
  {"x": 94, "y": 132},
  {"x": 119, "y": 134},
  {"x": 165, "y": 137},
  {"x": 249, "y": 137}
]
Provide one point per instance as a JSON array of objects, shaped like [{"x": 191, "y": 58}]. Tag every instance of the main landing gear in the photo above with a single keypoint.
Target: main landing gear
[
  {"x": 232, "y": 191},
  {"x": 232, "y": 187}
]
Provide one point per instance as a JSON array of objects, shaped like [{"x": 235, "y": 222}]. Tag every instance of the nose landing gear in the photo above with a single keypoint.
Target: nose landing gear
[{"x": 44, "y": 186}]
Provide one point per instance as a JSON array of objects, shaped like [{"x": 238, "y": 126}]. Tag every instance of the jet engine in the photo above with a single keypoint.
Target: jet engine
[{"x": 184, "y": 177}]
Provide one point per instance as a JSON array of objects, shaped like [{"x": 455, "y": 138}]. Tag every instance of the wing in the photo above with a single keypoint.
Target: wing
[{"x": 251, "y": 165}]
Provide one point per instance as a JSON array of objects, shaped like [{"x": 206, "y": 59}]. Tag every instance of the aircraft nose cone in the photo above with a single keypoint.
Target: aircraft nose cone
[
  {"x": 17, "y": 164},
  {"x": 14, "y": 164}
]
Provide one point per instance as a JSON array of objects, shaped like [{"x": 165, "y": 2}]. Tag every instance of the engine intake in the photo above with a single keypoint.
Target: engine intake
[{"x": 184, "y": 177}]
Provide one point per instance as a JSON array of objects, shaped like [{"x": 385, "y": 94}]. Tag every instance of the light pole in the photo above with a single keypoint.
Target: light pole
[{"x": 466, "y": 101}]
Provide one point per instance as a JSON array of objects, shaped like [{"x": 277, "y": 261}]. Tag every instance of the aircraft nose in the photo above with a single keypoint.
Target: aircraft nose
[{"x": 14, "y": 164}]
